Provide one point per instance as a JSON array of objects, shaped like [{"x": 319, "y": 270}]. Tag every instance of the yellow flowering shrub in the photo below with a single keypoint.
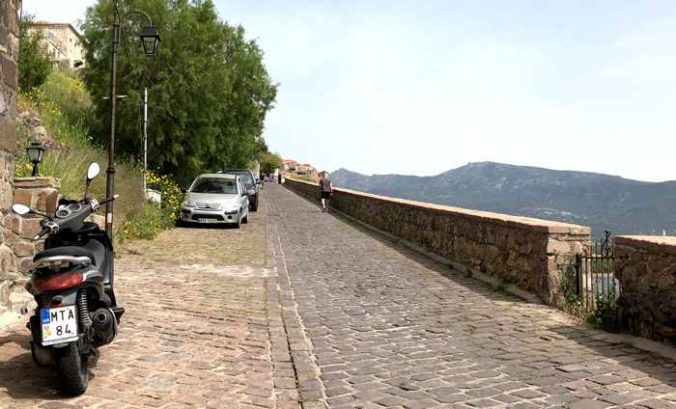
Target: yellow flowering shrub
[
  {"x": 145, "y": 224},
  {"x": 22, "y": 167},
  {"x": 172, "y": 195}
]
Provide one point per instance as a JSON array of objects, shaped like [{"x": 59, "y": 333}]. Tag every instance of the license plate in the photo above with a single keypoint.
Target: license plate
[
  {"x": 206, "y": 220},
  {"x": 58, "y": 325}
]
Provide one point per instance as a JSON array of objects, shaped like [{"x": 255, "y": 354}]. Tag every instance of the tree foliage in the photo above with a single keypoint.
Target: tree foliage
[
  {"x": 270, "y": 162},
  {"x": 34, "y": 64},
  {"x": 209, "y": 91}
]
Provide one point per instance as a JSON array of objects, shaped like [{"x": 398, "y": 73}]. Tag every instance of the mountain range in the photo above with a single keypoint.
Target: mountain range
[{"x": 603, "y": 202}]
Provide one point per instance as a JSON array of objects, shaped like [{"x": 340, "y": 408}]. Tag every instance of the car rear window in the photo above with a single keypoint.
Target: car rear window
[
  {"x": 215, "y": 185},
  {"x": 246, "y": 178}
]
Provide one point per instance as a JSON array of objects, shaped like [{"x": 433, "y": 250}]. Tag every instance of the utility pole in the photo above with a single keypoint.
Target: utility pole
[{"x": 145, "y": 141}]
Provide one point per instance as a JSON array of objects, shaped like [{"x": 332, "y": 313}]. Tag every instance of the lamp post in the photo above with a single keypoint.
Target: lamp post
[
  {"x": 150, "y": 39},
  {"x": 145, "y": 142},
  {"x": 35, "y": 152}
]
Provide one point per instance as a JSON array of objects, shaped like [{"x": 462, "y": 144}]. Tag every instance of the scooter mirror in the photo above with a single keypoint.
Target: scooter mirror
[
  {"x": 93, "y": 170},
  {"x": 20, "y": 209}
]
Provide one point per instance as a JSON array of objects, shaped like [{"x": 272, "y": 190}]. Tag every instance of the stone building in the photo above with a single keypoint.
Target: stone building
[
  {"x": 9, "y": 55},
  {"x": 290, "y": 165},
  {"x": 62, "y": 42},
  {"x": 305, "y": 169}
]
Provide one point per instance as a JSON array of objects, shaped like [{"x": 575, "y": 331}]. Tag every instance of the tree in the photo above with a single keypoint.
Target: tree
[
  {"x": 34, "y": 64},
  {"x": 270, "y": 162},
  {"x": 209, "y": 91}
]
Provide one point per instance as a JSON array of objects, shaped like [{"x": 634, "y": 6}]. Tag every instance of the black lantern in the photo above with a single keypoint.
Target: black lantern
[
  {"x": 35, "y": 152},
  {"x": 150, "y": 38}
]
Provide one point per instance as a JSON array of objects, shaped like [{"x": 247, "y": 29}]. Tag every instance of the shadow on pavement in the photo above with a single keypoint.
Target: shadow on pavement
[
  {"x": 20, "y": 376},
  {"x": 647, "y": 365},
  {"x": 657, "y": 367}
]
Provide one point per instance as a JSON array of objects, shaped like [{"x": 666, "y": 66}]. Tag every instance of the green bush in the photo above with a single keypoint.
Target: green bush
[
  {"x": 66, "y": 91},
  {"x": 146, "y": 223},
  {"x": 34, "y": 64},
  {"x": 172, "y": 196},
  {"x": 606, "y": 313}
]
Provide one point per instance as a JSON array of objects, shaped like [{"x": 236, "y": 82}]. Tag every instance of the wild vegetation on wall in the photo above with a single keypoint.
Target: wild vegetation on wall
[{"x": 64, "y": 107}]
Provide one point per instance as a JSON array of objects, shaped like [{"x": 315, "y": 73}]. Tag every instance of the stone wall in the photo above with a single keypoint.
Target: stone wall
[
  {"x": 526, "y": 252},
  {"x": 646, "y": 268},
  {"x": 9, "y": 54},
  {"x": 41, "y": 194}
]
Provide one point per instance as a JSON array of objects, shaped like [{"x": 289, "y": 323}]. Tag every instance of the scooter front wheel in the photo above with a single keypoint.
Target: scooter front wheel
[{"x": 72, "y": 368}]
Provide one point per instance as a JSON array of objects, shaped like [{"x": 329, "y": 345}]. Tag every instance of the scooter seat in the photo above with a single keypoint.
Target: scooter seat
[
  {"x": 98, "y": 251},
  {"x": 72, "y": 251},
  {"x": 93, "y": 250}
]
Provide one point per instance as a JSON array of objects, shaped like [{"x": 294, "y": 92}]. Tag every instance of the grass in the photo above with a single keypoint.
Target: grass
[{"x": 64, "y": 107}]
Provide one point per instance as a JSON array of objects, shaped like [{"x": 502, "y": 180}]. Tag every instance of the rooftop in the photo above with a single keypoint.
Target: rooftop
[{"x": 57, "y": 25}]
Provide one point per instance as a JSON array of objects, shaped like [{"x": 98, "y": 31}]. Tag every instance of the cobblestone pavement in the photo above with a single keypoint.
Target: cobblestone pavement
[
  {"x": 202, "y": 329},
  {"x": 389, "y": 329}
]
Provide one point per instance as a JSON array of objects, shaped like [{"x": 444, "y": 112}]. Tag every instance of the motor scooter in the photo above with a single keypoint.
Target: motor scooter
[{"x": 72, "y": 283}]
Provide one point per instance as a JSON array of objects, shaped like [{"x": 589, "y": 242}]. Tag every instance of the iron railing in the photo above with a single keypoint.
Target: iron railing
[{"x": 597, "y": 287}]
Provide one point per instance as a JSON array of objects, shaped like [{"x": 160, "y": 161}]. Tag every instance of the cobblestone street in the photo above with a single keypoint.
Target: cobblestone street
[
  {"x": 301, "y": 307},
  {"x": 196, "y": 331},
  {"x": 391, "y": 330}
]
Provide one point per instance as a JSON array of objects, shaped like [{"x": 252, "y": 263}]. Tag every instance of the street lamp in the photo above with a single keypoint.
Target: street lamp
[
  {"x": 35, "y": 152},
  {"x": 150, "y": 38}
]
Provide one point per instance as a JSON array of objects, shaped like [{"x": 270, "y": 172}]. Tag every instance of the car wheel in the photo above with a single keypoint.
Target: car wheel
[
  {"x": 245, "y": 220},
  {"x": 238, "y": 224},
  {"x": 254, "y": 206}
]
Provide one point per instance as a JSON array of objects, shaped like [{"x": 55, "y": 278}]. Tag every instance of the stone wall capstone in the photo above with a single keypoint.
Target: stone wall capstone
[
  {"x": 529, "y": 253},
  {"x": 646, "y": 269},
  {"x": 9, "y": 77}
]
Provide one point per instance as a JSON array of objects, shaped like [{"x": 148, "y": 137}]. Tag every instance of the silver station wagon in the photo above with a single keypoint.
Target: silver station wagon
[{"x": 216, "y": 199}]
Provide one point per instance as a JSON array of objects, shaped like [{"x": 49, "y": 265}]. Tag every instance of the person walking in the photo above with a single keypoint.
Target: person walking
[{"x": 325, "y": 189}]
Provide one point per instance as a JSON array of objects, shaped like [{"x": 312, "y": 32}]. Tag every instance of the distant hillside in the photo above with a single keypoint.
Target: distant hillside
[{"x": 603, "y": 202}]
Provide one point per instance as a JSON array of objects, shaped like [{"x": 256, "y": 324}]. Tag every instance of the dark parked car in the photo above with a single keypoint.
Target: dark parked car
[{"x": 249, "y": 180}]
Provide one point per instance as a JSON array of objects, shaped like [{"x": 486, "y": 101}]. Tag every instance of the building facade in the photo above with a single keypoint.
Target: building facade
[{"x": 62, "y": 43}]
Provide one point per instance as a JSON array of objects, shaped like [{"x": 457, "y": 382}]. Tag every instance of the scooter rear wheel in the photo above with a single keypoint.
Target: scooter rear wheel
[{"x": 72, "y": 369}]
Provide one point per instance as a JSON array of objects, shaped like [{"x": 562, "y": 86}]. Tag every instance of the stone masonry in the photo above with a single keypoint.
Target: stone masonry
[
  {"x": 646, "y": 268},
  {"x": 9, "y": 76},
  {"x": 41, "y": 194},
  {"x": 526, "y": 252}
]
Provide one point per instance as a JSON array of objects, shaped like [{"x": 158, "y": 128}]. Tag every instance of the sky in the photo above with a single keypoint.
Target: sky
[{"x": 421, "y": 87}]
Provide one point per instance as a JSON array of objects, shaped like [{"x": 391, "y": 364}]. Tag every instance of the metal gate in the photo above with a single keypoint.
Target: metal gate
[{"x": 598, "y": 289}]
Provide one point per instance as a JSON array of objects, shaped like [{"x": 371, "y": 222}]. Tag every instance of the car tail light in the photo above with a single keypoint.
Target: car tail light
[{"x": 57, "y": 282}]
